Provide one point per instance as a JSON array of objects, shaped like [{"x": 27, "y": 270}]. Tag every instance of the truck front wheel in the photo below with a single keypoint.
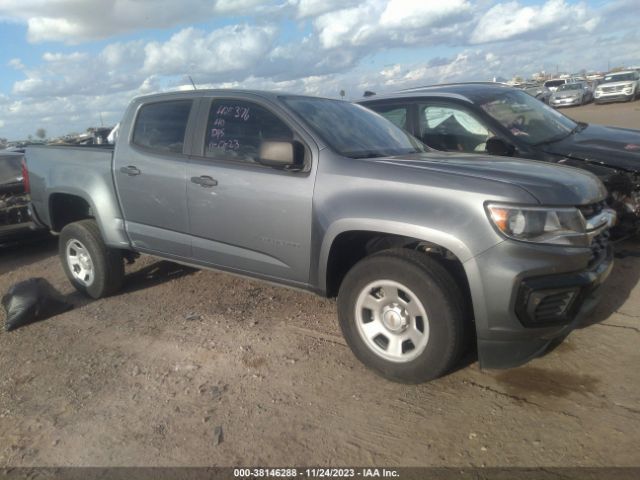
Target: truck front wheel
[
  {"x": 402, "y": 314},
  {"x": 91, "y": 266}
]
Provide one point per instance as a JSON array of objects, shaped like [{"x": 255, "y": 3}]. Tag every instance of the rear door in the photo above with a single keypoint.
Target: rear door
[
  {"x": 245, "y": 216},
  {"x": 150, "y": 171}
]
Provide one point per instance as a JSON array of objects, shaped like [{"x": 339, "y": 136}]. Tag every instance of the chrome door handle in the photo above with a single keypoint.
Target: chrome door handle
[
  {"x": 131, "y": 170},
  {"x": 204, "y": 181}
]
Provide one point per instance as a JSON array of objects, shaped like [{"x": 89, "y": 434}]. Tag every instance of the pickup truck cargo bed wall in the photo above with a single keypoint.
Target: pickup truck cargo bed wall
[{"x": 59, "y": 173}]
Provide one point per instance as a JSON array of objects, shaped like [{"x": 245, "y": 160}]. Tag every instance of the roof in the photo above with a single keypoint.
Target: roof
[
  {"x": 461, "y": 91},
  {"x": 270, "y": 95}
]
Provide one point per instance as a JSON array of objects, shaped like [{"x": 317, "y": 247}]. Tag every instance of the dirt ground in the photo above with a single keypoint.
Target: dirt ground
[{"x": 147, "y": 376}]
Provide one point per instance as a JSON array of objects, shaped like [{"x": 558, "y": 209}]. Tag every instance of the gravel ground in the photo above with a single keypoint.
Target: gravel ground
[{"x": 190, "y": 367}]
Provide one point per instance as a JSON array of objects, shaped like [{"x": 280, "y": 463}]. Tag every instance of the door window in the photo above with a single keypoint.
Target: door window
[
  {"x": 452, "y": 128},
  {"x": 161, "y": 126},
  {"x": 236, "y": 128},
  {"x": 397, "y": 115}
]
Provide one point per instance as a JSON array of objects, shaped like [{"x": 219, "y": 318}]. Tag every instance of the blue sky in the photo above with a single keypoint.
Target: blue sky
[{"x": 68, "y": 63}]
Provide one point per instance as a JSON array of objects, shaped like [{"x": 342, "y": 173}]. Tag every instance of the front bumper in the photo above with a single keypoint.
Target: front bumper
[
  {"x": 523, "y": 286},
  {"x": 612, "y": 97},
  {"x": 565, "y": 102}
]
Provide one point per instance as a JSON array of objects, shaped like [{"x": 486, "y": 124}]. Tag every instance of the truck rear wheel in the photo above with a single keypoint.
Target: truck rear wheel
[
  {"x": 92, "y": 267},
  {"x": 402, "y": 314}
]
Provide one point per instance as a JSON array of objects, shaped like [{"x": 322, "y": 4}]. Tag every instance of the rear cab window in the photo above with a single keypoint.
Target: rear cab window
[{"x": 162, "y": 126}]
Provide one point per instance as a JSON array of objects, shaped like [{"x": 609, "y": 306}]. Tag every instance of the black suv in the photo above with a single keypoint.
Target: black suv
[{"x": 501, "y": 120}]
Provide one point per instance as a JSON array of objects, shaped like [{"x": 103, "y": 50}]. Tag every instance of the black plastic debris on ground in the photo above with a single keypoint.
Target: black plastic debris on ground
[{"x": 32, "y": 301}]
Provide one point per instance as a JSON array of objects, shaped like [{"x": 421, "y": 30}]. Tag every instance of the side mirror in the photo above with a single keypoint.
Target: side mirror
[
  {"x": 497, "y": 146},
  {"x": 281, "y": 154}
]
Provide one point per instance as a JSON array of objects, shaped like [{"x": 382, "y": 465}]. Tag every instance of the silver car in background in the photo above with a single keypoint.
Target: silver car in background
[
  {"x": 553, "y": 84},
  {"x": 540, "y": 92},
  {"x": 571, "y": 94},
  {"x": 618, "y": 86}
]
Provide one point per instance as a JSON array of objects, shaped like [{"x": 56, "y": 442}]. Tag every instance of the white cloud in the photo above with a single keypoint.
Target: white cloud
[
  {"x": 413, "y": 14},
  {"x": 393, "y": 23},
  {"x": 231, "y": 48},
  {"x": 16, "y": 64},
  {"x": 74, "y": 21},
  {"x": 507, "y": 20},
  {"x": 313, "y": 8}
]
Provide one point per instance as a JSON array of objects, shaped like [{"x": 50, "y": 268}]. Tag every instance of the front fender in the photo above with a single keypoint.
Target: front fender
[{"x": 419, "y": 232}]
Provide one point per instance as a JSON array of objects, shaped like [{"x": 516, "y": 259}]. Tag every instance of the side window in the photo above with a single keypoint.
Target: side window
[
  {"x": 452, "y": 128},
  {"x": 394, "y": 113},
  {"x": 161, "y": 126},
  {"x": 236, "y": 128}
]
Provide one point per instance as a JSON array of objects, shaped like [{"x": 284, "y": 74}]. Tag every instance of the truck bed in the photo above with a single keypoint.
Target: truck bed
[{"x": 60, "y": 168}]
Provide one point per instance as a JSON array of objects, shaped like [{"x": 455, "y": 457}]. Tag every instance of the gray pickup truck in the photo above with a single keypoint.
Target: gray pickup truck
[{"x": 425, "y": 250}]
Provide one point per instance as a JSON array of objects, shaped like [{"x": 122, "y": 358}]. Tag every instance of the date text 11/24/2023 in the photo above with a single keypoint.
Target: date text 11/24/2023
[{"x": 315, "y": 473}]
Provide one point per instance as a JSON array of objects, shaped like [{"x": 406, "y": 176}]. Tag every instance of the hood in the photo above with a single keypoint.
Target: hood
[
  {"x": 610, "y": 146},
  {"x": 550, "y": 184}
]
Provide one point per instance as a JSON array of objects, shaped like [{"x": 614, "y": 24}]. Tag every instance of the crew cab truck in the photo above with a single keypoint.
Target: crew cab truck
[{"x": 424, "y": 250}]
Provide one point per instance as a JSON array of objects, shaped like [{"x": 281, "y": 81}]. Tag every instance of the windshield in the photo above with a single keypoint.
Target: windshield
[
  {"x": 352, "y": 130},
  {"x": 554, "y": 83},
  {"x": 621, "y": 77},
  {"x": 525, "y": 117},
  {"x": 571, "y": 86}
]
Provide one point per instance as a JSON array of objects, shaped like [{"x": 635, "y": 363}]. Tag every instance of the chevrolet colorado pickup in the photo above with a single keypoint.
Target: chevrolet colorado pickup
[{"x": 424, "y": 250}]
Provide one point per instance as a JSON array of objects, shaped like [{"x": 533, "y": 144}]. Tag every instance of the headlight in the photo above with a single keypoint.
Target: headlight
[{"x": 555, "y": 226}]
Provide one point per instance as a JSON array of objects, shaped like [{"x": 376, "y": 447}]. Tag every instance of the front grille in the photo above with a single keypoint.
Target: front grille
[
  {"x": 599, "y": 247},
  {"x": 599, "y": 242},
  {"x": 592, "y": 209},
  {"x": 612, "y": 89}
]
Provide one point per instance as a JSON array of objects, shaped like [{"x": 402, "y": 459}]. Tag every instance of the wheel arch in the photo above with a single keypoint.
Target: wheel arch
[
  {"x": 348, "y": 242},
  {"x": 72, "y": 205}
]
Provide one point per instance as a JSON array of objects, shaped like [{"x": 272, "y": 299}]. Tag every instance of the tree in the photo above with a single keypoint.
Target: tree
[
  {"x": 41, "y": 133},
  {"x": 342, "y": 94}
]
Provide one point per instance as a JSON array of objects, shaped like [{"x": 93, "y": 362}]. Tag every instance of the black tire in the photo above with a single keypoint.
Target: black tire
[
  {"x": 107, "y": 263},
  {"x": 434, "y": 288}
]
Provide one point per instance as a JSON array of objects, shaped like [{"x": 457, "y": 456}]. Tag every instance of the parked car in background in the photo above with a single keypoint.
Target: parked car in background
[
  {"x": 14, "y": 216},
  {"x": 555, "y": 83},
  {"x": 424, "y": 250},
  {"x": 571, "y": 94},
  {"x": 618, "y": 86},
  {"x": 540, "y": 92},
  {"x": 501, "y": 120}
]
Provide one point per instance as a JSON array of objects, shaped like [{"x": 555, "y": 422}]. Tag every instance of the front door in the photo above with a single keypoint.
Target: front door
[
  {"x": 448, "y": 127},
  {"x": 245, "y": 216}
]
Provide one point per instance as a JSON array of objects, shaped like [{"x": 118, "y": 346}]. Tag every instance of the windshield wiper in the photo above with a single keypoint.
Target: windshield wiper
[{"x": 578, "y": 128}]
